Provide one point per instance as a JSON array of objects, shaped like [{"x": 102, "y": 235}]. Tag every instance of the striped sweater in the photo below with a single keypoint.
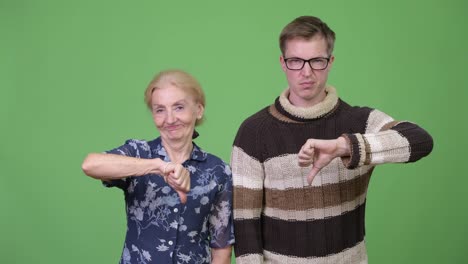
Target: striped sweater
[{"x": 278, "y": 217}]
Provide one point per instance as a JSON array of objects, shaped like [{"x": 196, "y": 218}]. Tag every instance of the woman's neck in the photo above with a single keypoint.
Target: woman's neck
[{"x": 178, "y": 151}]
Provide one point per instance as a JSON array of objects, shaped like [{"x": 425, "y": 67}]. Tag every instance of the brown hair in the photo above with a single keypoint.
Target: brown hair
[
  {"x": 307, "y": 27},
  {"x": 180, "y": 79}
]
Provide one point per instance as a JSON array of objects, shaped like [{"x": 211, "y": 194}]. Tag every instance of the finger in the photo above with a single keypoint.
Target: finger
[
  {"x": 308, "y": 151},
  {"x": 182, "y": 195},
  {"x": 178, "y": 179},
  {"x": 175, "y": 174},
  {"x": 183, "y": 183},
  {"x": 303, "y": 155},
  {"x": 313, "y": 172},
  {"x": 308, "y": 144},
  {"x": 171, "y": 182},
  {"x": 174, "y": 183},
  {"x": 311, "y": 143},
  {"x": 303, "y": 151},
  {"x": 184, "y": 186},
  {"x": 180, "y": 172},
  {"x": 188, "y": 185},
  {"x": 305, "y": 162},
  {"x": 168, "y": 168}
]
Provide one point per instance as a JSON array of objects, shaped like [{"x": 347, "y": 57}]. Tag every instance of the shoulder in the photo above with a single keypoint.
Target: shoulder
[
  {"x": 141, "y": 148},
  {"x": 373, "y": 119},
  {"x": 218, "y": 163},
  {"x": 203, "y": 156},
  {"x": 137, "y": 143},
  {"x": 349, "y": 110},
  {"x": 354, "y": 112},
  {"x": 351, "y": 119},
  {"x": 254, "y": 120},
  {"x": 252, "y": 126},
  {"x": 212, "y": 163}
]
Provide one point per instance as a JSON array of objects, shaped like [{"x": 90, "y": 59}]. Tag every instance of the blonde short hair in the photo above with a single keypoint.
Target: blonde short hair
[
  {"x": 179, "y": 79},
  {"x": 307, "y": 27}
]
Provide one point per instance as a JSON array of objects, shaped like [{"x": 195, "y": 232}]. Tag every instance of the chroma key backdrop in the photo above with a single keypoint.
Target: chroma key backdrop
[{"x": 72, "y": 76}]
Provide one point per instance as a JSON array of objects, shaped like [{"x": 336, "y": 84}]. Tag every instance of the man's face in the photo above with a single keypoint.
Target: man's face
[{"x": 306, "y": 86}]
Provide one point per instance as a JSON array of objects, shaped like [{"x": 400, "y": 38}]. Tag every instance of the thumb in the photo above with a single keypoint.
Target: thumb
[
  {"x": 314, "y": 171},
  {"x": 182, "y": 195}
]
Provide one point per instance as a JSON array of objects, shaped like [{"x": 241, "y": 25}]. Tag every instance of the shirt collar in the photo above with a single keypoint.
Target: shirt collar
[{"x": 158, "y": 149}]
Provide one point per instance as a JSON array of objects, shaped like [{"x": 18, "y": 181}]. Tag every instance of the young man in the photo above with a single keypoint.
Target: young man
[{"x": 302, "y": 165}]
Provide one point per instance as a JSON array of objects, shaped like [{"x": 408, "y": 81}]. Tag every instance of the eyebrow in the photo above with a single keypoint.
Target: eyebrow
[
  {"x": 320, "y": 57},
  {"x": 175, "y": 103}
]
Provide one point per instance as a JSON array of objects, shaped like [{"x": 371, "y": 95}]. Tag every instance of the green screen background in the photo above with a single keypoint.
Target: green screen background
[{"x": 72, "y": 80}]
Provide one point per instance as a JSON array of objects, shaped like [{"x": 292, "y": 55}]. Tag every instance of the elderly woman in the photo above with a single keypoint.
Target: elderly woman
[{"x": 178, "y": 197}]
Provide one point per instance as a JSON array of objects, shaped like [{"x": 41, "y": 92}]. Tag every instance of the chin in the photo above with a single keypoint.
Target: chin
[
  {"x": 177, "y": 136},
  {"x": 308, "y": 94}
]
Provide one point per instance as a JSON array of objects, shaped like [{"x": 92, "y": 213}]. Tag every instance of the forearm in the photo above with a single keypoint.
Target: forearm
[
  {"x": 221, "y": 255},
  {"x": 403, "y": 142},
  {"x": 111, "y": 167}
]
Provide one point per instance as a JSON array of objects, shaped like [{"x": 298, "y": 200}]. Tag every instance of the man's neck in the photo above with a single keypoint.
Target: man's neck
[{"x": 304, "y": 103}]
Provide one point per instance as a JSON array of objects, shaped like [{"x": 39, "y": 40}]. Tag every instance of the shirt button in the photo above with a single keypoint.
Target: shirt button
[
  {"x": 176, "y": 210},
  {"x": 170, "y": 242}
]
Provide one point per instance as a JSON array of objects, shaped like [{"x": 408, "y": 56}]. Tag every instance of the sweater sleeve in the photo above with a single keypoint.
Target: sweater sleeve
[
  {"x": 387, "y": 141},
  {"x": 248, "y": 175}
]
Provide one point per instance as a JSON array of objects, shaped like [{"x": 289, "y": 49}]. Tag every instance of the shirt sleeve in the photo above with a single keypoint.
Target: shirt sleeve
[
  {"x": 131, "y": 148},
  {"x": 221, "y": 219},
  {"x": 387, "y": 141},
  {"x": 248, "y": 176}
]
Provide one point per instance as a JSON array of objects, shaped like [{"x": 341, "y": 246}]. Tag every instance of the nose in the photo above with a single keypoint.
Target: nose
[
  {"x": 170, "y": 118},
  {"x": 307, "y": 70}
]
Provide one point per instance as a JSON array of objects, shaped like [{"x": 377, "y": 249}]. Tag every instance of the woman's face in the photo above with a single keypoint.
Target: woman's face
[{"x": 175, "y": 112}]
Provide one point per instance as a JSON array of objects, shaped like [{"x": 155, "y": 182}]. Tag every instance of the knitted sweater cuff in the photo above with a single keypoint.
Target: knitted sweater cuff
[{"x": 357, "y": 148}]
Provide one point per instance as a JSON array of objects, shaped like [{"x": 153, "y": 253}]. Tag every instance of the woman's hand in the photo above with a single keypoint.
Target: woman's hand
[
  {"x": 178, "y": 178},
  {"x": 221, "y": 255}
]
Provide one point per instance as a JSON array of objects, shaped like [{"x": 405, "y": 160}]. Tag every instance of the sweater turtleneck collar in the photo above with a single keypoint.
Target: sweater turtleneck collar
[{"x": 303, "y": 114}]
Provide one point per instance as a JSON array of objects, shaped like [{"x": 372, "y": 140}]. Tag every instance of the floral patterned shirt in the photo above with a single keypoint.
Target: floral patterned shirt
[{"x": 160, "y": 229}]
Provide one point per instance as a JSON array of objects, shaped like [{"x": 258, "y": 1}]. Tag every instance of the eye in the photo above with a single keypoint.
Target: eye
[
  {"x": 295, "y": 61},
  {"x": 319, "y": 62},
  {"x": 158, "y": 110},
  {"x": 179, "y": 107}
]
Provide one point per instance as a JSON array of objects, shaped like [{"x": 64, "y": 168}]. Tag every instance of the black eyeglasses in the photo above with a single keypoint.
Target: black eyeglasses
[{"x": 297, "y": 64}]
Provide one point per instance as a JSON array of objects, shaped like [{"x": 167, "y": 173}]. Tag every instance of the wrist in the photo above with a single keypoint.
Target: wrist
[
  {"x": 158, "y": 166},
  {"x": 343, "y": 148}
]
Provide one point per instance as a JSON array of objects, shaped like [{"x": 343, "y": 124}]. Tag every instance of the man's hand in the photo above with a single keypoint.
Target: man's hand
[
  {"x": 178, "y": 178},
  {"x": 320, "y": 153}
]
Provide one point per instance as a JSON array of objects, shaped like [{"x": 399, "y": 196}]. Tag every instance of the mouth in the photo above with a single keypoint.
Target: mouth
[
  {"x": 307, "y": 83},
  {"x": 172, "y": 128}
]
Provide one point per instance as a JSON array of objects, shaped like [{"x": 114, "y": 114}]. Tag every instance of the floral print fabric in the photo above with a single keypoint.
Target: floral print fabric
[{"x": 160, "y": 229}]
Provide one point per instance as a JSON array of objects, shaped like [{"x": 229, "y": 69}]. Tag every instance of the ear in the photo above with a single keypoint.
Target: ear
[
  {"x": 330, "y": 62},
  {"x": 200, "y": 111},
  {"x": 283, "y": 64}
]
